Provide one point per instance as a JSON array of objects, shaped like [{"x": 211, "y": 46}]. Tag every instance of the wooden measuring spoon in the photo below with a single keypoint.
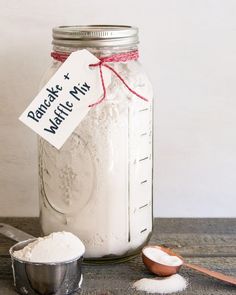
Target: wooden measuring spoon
[{"x": 166, "y": 270}]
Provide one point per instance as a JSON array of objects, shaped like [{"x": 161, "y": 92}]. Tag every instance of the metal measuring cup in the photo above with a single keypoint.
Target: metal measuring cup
[{"x": 60, "y": 278}]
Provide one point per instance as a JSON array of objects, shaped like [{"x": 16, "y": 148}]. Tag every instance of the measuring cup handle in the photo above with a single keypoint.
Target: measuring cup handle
[{"x": 14, "y": 233}]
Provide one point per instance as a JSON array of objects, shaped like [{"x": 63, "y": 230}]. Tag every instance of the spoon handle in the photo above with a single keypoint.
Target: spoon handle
[
  {"x": 14, "y": 233},
  {"x": 214, "y": 274}
]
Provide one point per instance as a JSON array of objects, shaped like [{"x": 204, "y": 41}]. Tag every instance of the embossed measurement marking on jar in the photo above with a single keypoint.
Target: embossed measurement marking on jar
[
  {"x": 143, "y": 134},
  {"x": 143, "y": 206},
  {"x": 142, "y": 110},
  {"x": 143, "y": 230},
  {"x": 144, "y": 181},
  {"x": 143, "y": 159}
]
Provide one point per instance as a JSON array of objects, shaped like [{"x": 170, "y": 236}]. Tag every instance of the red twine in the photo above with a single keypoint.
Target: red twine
[{"x": 122, "y": 57}]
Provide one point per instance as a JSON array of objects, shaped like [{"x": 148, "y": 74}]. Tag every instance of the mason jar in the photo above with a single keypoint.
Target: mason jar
[{"x": 99, "y": 184}]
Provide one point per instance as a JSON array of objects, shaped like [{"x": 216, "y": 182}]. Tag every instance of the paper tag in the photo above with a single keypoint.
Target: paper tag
[{"x": 64, "y": 101}]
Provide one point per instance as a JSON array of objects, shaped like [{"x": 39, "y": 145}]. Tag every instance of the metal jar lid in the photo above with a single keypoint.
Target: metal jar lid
[{"x": 95, "y": 36}]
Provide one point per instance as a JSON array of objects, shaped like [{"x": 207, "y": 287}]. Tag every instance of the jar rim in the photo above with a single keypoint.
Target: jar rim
[{"x": 95, "y": 35}]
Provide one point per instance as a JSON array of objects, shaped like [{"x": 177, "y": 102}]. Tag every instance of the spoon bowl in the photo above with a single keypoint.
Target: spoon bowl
[{"x": 157, "y": 268}]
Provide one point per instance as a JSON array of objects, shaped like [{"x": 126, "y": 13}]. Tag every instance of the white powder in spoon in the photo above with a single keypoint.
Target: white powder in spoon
[
  {"x": 57, "y": 247},
  {"x": 174, "y": 283},
  {"x": 159, "y": 256}
]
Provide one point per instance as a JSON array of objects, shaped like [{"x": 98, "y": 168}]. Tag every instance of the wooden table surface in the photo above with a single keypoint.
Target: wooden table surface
[{"x": 208, "y": 242}]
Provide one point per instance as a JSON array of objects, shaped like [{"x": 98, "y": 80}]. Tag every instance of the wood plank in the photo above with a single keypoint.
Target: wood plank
[
  {"x": 198, "y": 245},
  {"x": 161, "y": 225},
  {"x": 189, "y": 237},
  {"x": 196, "y": 225},
  {"x": 117, "y": 279},
  {"x": 188, "y": 245}
]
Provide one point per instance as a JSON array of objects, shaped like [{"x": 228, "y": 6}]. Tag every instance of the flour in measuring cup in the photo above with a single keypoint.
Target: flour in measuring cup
[{"x": 57, "y": 247}]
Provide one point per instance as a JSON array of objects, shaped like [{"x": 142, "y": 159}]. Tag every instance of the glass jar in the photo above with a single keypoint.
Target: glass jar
[{"x": 99, "y": 184}]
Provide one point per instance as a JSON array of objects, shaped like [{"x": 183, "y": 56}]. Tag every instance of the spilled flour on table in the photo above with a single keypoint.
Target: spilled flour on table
[{"x": 174, "y": 283}]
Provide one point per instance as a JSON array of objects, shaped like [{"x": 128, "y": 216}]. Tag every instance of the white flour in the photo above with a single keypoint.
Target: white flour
[
  {"x": 172, "y": 284},
  {"x": 99, "y": 185},
  {"x": 57, "y": 247},
  {"x": 157, "y": 255}
]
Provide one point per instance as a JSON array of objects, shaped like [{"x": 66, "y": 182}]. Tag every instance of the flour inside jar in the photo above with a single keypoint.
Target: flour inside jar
[{"x": 99, "y": 184}]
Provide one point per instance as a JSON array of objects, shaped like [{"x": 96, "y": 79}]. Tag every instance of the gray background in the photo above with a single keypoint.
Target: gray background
[{"x": 189, "y": 51}]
